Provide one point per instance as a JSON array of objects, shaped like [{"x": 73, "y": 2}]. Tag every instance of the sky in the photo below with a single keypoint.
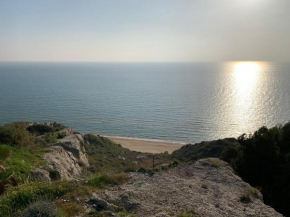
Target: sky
[{"x": 145, "y": 30}]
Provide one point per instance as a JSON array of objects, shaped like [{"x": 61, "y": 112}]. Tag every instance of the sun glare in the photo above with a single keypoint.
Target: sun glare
[{"x": 245, "y": 75}]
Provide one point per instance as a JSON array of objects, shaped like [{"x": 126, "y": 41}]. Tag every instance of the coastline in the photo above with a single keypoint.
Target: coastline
[{"x": 146, "y": 145}]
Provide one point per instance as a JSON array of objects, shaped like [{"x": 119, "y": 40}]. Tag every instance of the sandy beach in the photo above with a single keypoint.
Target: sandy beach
[{"x": 149, "y": 146}]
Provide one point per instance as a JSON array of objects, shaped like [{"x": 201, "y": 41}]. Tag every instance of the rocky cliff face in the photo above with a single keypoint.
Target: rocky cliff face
[
  {"x": 66, "y": 159},
  {"x": 208, "y": 188}
]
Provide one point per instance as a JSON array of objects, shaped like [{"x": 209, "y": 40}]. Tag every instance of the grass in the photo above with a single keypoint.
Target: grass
[
  {"x": 16, "y": 199},
  {"x": 105, "y": 180},
  {"x": 19, "y": 161},
  {"x": 246, "y": 198},
  {"x": 249, "y": 196},
  {"x": 104, "y": 155},
  {"x": 107, "y": 214},
  {"x": 188, "y": 213},
  {"x": 71, "y": 209},
  {"x": 216, "y": 163}
]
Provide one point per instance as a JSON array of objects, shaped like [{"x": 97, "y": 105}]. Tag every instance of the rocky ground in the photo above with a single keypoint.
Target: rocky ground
[{"x": 206, "y": 188}]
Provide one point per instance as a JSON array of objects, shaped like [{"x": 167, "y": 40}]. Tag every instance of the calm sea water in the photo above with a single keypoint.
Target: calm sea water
[{"x": 187, "y": 102}]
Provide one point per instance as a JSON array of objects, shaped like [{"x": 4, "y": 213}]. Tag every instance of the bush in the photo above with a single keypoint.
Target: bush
[
  {"x": 102, "y": 181},
  {"x": 61, "y": 135},
  {"x": 71, "y": 209},
  {"x": 142, "y": 170},
  {"x": 39, "y": 129},
  {"x": 214, "y": 162},
  {"x": 40, "y": 209},
  {"x": 263, "y": 160},
  {"x": 51, "y": 137},
  {"x": 15, "y": 134},
  {"x": 229, "y": 153},
  {"x": 175, "y": 163},
  {"x": 246, "y": 198},
  {"x": 18, "y": 198}
]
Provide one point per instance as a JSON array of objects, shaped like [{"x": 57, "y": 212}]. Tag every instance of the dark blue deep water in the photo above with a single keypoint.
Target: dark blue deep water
[{"x": 187, "y": 102}]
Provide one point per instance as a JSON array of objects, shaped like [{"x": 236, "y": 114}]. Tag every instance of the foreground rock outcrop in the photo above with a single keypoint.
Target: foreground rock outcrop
[
  {"x": 208, "y": 188},
  {"x": 66, "y": 158}
]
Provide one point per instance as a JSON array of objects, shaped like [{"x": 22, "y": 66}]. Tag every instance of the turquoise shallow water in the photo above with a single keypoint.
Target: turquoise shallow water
[{"x": 187, "y": 102}]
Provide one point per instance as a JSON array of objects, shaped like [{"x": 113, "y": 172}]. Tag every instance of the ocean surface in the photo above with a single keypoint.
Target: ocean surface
[{"x": 187, "y": 102}]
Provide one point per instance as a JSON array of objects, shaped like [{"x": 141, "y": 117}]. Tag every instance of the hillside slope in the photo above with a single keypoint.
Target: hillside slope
[
  {"x": 193, "y": 152},
  {"x": 206, "y": 188}
]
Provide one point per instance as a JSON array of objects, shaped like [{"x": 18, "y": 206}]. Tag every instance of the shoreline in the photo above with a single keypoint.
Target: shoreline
[{"x": 146, "y": 145}]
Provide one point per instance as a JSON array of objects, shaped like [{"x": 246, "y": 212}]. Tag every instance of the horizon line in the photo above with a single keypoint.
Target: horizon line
[{"x": 210, "y": 61}]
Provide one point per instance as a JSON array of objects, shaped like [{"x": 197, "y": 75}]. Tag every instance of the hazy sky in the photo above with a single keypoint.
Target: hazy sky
[{"x": 144, "y": 30}]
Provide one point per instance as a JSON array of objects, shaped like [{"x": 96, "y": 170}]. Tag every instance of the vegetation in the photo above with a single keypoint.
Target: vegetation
[
  {"x": 263, "y": 160},
  {"x": 41, "y": 129},
  {"x": 18, "y": 198},
  {"x": 142, "y": 170},
  {"x": 211, "y": 149},
  {"x": 186, "y": 213},
  {"x": 19, "y": 161},
  {"x": 105, "y": 155},
  {"x": 40, "y": 209},
  {"x": 102, "y": 181},
  {"x": 71, "y": 209},
  {"x": 15, "y": 134},
  {"x": 215, "y": 163},
  {"x": 175, "y": 163},
  {"x": 249, "y": 196}
]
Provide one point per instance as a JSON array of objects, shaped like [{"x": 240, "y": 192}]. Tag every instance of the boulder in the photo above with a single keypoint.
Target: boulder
[
  {"x": 100, "y": 204},
  {"x": 74, "y": 143},
  {"x": 65, "y": 165},
  {"x": 40, "y": 175}
]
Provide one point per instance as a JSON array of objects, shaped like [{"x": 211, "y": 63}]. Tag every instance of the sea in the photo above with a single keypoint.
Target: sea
[{"x": 183, "y": 102}]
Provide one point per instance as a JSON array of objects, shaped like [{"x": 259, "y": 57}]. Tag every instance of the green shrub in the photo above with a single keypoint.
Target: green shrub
[
  {"x": 157, "y": 169},
  {"x": 40, "y": 209},
  {"x": 102, "y": 181},
  {"x": 15, "y": 134},
  {"x": 229, "y": 153},
  {"x": 263, "y": 160},
  {"x": 246, "y": 198},
  {"x": 215, "y": 163},
  {"x": 71, "y": 209},
  {"x": 39, "y": 129},
  {"x": 142, "y": 170},
  {"x": 50, "y": 137},
  {"x": 175, "y": 163},
  {"x": 164, "y": 167},
  {"x": 15, "y": 199},
  {"x": 61, "y": 135}
]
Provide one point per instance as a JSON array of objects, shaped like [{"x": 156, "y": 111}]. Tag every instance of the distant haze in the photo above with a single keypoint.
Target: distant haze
[{"x": 144, "y": 30}]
